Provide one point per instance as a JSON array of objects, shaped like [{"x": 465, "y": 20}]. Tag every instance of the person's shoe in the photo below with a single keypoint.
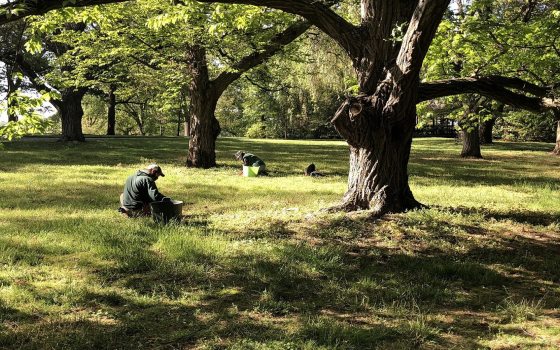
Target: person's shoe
[{"x": 123, "y": 212}]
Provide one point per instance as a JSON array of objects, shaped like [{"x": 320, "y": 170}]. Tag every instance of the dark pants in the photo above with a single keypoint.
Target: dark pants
[{"x": 135, "y": 213}]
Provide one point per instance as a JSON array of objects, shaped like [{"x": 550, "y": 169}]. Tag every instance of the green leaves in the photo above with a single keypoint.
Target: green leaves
[{"x": 26, "y": 108}]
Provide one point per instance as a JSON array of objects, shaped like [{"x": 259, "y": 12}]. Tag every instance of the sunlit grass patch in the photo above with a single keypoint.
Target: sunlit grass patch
[{"x": 255, "y": 264}]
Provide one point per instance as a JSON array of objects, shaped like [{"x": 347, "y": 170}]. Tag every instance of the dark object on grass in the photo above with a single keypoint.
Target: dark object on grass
[
  {"x": 311, "y": 171},
  {"x": 167, "y": 210}
]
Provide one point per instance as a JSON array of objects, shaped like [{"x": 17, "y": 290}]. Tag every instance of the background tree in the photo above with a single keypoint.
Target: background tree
[
  {"x": 482, "y": 38},
  {"x": 387, "y": 49}
]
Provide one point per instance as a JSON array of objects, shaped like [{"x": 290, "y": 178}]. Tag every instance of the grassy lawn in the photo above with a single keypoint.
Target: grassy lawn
[{"x": 255, "y": 265}]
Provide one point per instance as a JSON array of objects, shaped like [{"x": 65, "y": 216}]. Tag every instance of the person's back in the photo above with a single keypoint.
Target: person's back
[
  {"x": 252, "y": 160},
  {"x": 140, "y": 190}
]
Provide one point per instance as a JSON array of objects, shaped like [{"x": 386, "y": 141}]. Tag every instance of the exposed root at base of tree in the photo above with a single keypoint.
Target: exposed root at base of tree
[
  {"x": 191, "y": 164},
  {"x": 343, "y": 207},
  {"x": 378, "y": 210}
]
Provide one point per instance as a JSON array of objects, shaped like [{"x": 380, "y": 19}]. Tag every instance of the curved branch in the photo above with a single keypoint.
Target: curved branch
[
  {"x": 494, "y": 88},
  {"x": 276, "y": 44},
  {"x": 317, "y": 13},
  {"x": 419, "y": 35},
  {"x": 36, "y": 80},
  {"x": 416, "y": 42},
  {"x": 22, "y": 8}
]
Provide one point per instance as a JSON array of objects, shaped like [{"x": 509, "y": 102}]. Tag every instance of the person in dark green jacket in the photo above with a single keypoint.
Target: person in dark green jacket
[
  {"x": 250, "y": 159},
  {"x": 140, "y": 190}
]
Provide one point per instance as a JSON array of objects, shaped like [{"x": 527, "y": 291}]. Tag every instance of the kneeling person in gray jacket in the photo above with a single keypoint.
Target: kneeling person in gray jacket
[{"x": 140, "y": 190}]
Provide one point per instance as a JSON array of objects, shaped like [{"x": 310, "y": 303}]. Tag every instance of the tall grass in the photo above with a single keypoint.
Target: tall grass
[{"x": 256, "y": 265}]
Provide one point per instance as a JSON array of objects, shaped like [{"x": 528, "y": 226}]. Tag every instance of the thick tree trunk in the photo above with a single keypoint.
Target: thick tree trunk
[
  {"x": 71, "y": 113},
  {"x": 485, "y": 131},
  {"x": 556, "y": 149},
  {"x": 111, "y": 114},
  {"x": 471, "y": 144},
  {"x": 204, "y": 131},
  {"x": 379, "y": 154},
  {"x": 204, "y": 127}
]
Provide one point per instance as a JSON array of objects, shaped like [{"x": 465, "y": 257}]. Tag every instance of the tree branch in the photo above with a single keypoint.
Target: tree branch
[
  {"x": 277, "y": 43},
  {"x": 22, "y": 8},
  {"x": 317, "y": 12},
  {"x": 416, "y": 42},
  {"x": 494, "y": 88},
  {"x": 36, "y": 80}
]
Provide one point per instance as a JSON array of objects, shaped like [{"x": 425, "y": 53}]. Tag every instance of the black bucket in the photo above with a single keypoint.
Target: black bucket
[{"x": 166, "y": 211}]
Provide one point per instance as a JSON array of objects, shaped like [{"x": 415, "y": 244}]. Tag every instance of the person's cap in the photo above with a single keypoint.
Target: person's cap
[
  {"x": 157, "y": 168},
  {"x": 239, "y": 154}
]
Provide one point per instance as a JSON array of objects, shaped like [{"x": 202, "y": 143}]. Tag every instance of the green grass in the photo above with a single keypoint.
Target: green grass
[{"x": 256, "y": 265}]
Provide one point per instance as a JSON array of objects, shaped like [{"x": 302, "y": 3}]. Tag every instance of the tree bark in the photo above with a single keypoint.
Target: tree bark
[
  {"x": 471, "y": 143},
  {"x": 71, "y": 112},
  {"x": 12, "y": 116},
  {"x": 204, "y": 127},
  {"x": 379, "y": 154},
  {"x": 378, "y": 125},
  {"x": 556, "y": 149},
  {"x": 204, "y": 93},
  {"x": 111, "y": 114},
  {"x": 485, "y": 131}
]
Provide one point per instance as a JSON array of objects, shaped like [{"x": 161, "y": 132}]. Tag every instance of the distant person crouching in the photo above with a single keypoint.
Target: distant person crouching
[
  {"x": 311, "y": 170},
  {"x": 140, "y": 190},
  {"x": 249, "y": 159}
]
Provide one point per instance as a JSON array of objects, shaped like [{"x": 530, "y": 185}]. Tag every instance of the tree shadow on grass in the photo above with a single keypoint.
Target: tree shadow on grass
[
  {"x": 519, "y": 216},
  {"x": 363, "y": 287}
]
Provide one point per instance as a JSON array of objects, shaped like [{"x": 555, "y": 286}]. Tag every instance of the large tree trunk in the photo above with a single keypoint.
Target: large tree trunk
[
  {"x": 111, "y": 114},
  {"x": 378, "y": 124},
  {"x": 71, "y": 112},
  {"x": 379, "y": 154},
  {"x": 204, "y": 131},
  {"x": 556, "y": 149},
  {"x": 204, "y": 127},
  {"x": 471, "y": 143}
]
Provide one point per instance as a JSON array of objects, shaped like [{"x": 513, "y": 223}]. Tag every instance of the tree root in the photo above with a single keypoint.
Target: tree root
[{"x": 377, "y": 211}]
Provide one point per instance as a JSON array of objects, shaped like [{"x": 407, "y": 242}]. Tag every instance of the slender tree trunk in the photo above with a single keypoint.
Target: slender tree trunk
[
  {"x": 556, "y": 149},
  {"x": 111, "y": 114},
  {"x": 13, "y": 86},
  {"x": 204, "y": 127},
  {"x": 71, "y": 113},
  {"x": 12, "y": 116},
  {"x": 471, "y": 143},
  {"x": 179, "y": 122}
]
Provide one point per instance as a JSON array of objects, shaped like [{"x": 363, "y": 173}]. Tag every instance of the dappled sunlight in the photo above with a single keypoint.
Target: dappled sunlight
[{"x": 254, "y": 262}]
